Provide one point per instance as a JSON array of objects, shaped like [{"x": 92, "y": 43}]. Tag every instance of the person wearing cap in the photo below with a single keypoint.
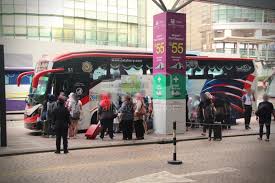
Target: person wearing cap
[
  {"x": 247, "y": 101},
  {"x": 61, "y": 118},
  {"x": 263, "y": 113}
]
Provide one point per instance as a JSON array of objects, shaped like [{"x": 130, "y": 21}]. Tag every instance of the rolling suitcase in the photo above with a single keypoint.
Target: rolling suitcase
[
  {"x": 217, "y": 131},
  {"x": 93, "y": 131}
]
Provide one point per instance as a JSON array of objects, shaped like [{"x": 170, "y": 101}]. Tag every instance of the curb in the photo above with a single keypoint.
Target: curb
[{"x": 163, "y": 141}]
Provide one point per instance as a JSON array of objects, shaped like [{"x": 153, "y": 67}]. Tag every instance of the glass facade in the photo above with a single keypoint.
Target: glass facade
[
  {"x": 101, "y": 22},
  {"x": 226, "y": 14}
]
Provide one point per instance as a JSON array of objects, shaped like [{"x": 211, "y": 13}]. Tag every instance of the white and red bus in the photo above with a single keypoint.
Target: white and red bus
[
  {"x": 270, "y": 87},
  {"x": 89, "y": 73}
]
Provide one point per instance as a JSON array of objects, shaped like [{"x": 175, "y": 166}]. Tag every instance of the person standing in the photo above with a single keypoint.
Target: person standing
[
  {"x": 203, "y": 98},
  {"x": 140, "y": 111},
  {"x": 75, "y": 108},
  {"x": 126, "y": 115},
  {"x": 209, "y": 113},
  {"x": 51, "y": 105},
  {"x": 263, "y": 113},
  {"x": 247, "y": 101},
  {"x": 61, "y": 118},
  {"x": 106, "y": 113}
]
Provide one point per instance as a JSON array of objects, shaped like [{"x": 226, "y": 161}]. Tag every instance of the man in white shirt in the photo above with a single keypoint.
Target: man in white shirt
[{"x": 248, "y": 100}]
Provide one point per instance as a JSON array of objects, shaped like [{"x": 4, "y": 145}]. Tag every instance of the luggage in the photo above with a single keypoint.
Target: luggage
[
  {"x": 93, "y": 131},
  {"x": 217, "y": 128}
]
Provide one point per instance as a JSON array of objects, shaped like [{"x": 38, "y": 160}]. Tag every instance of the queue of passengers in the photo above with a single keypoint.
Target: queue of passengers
[{"x": 61, "y": 117}]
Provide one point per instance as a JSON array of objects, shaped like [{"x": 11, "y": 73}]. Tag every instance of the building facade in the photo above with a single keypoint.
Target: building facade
[
  {"x": 40, "y": 27},
  {"x": 232, "y": 30}
]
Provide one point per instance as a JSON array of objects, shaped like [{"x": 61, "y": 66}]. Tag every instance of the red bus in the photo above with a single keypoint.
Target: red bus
[{"x": 89, "y": 73}]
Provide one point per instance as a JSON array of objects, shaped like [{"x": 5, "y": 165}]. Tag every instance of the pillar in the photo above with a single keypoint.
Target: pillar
[{"x": 169, "y": 72}]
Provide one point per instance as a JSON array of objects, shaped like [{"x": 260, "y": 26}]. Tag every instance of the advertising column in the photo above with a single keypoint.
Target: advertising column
[{"x": 169, "y": 83}]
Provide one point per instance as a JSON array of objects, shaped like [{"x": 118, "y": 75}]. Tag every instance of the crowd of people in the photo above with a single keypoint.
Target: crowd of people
[
  {"x": 205, "y": 111},
  {"x": 61, "y": 116}
]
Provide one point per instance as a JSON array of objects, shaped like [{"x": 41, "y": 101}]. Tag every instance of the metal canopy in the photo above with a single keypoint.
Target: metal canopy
[
  {"x": 175, "y": 7},
  {"x": 258, "y": 4}
]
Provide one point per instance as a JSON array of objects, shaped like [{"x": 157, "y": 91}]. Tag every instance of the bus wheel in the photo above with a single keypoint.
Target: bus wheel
[{"x": 94, "y": 118}]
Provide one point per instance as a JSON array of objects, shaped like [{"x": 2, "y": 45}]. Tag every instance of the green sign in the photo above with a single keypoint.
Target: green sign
[{"x": 169, "y": 87}]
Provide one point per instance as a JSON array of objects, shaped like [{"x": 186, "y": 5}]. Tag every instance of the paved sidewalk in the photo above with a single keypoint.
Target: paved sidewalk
[{"x": 23, "y": 141}]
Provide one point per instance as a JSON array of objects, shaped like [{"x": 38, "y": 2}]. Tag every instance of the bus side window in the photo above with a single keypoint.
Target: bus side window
[
  {"x": 99, "y": 72},
  {"x": 115, "y": 73}
]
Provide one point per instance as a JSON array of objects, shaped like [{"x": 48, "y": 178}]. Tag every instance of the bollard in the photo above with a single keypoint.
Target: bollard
[{"x": 174, "y": 161}]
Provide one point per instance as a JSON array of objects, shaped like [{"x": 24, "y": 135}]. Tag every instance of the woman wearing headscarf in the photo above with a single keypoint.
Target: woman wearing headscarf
[
  {"x": 140, "y": 111},
  {"x": 127, "y": 116},
  {"x": 75, "y": 108},
  {"x": 106, "y": 113}
]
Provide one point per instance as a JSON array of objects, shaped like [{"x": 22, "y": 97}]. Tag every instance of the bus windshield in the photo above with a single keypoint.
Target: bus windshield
[
  {"x": 37, "y": 95},
  {"x": 271, "y": 88},
  {"x": 42, "y": 86}
]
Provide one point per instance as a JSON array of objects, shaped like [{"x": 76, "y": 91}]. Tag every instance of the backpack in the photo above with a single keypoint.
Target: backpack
[
  {"x": 75, "y": 110},
  {"x": 209, "y": 112},
  {"x": 142, "y": 111},
  {"x": 262, "y": 110},
  {"x": 50, "y": 108}
]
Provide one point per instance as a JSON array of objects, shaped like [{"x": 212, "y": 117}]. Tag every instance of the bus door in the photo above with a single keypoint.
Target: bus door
[
  {"x": 61, "y": 82},
  {"x": 80, "y": 84}
]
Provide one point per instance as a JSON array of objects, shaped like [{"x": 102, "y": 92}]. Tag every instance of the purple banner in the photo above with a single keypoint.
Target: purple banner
[{"x": 169, "y": 44}]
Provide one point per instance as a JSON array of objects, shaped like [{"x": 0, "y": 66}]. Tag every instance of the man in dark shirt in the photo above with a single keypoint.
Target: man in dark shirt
[
  {"x": 61, "y": 118},
  {"x": 264, "y": 112}
]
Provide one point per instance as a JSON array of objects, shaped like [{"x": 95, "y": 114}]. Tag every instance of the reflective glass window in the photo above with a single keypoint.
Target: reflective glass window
[
  {"x": 32, "y": 31},
  {"x": 90, "y": 5},
  {"x": 7, "y": 8},
  {"x": 32, "y": 20},
  {"x": 45, "y": 32},
  {"x": 90, "y": 14},
  {"x": 68, "y": 22},
  {"x": 79, "y": 36},
  {"x": 20, "y": 20},
  {"x": 68, "y": 34},
  {"x": 90, "y": 24},
  {"x": 90, "y": 35},
  {"x": 20, "y": 31},
  {"x": 8, "y": 30},
  {"x": 57, "y": 33},
  {"x": 20, "y": 8},
  {"x": 79, "y": 23},
  {"x": 8, "y": 19}
]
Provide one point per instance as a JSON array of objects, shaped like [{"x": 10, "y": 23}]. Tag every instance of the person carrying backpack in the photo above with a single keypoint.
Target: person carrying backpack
[
  {"x": 209, "y": 114},
  {"x": 75, "y": 108},
  {"x": 263, "y": 113},
  {"x": 140, "y": 111},
  {"x": 51, "y": 105}
]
